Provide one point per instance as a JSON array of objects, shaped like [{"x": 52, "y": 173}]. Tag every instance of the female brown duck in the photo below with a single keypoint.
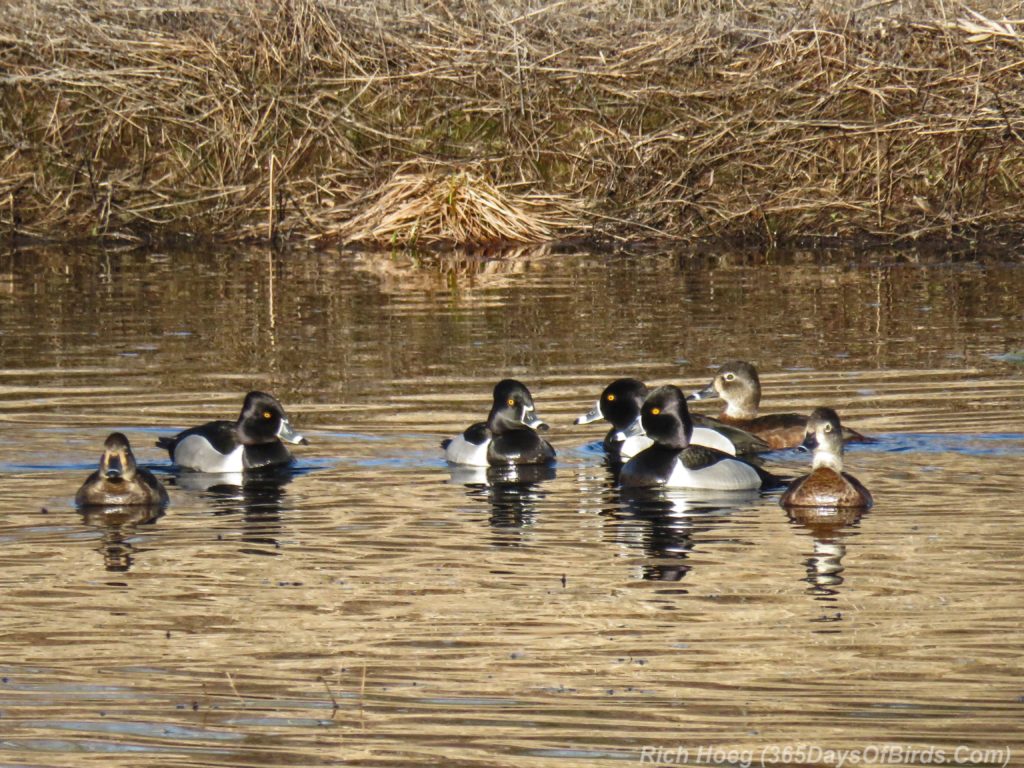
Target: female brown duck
[
  {"x": 827, "y": 485},
  {"x": 119, "y": 481},
  {"x": 738, "y": 385}
]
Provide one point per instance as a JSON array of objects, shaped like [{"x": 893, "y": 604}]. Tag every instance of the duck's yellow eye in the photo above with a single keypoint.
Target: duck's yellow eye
[
  {"x": 268, "y": 415},
  {"x": 611, "y": 398},
  {"x": 511, "y": 401},
  {"x": 655, "y": 411}
]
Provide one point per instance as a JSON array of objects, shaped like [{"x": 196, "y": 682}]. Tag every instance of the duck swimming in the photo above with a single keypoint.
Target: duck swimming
[
  {"x": 674, "y": 462},
  {"x": 252, "y": 442},
  {"x": 119, "y": 481},
  {"x": 737, "y": 383},
  {"x": 827, "y": 485},
  {"x": 620, "y": 404},
  {"x": 509, "y": 436}
]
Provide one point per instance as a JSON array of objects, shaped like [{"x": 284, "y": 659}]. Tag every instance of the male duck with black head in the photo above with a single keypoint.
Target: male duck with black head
[
  {"x": 252, "y": 442},
  {"x": 827, "y": 486},
  {"x": 509, "y": 436},
  {"x": 737, "y": 383},
  {"x": 620, "y": 404},
  {"x": 119, "y": 481},
  {"x": 674, "y": 462}
]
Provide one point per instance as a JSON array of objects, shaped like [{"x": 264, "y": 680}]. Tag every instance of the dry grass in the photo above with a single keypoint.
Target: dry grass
[
  {"x": 416, "y": 208},
  {"x": 478, "y": 121}
]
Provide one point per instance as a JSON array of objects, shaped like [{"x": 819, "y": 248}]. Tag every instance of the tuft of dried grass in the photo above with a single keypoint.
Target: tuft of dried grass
[
  {"x": 415, "y": 208},
  {"x": 268, "y": 119}
]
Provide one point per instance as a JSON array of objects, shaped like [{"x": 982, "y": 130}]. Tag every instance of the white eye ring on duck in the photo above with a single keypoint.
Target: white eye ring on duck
[
  {"x": 828, "y": 427},
  {"x": 729, "y": 377}
]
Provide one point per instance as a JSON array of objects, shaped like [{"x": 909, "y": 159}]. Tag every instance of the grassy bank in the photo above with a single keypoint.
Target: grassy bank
[{"x": 399, "y": 122}]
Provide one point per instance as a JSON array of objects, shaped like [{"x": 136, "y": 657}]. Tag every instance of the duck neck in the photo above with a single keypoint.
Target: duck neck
[
  {"x": 677, "y": 439},
  {"x": 823, "y": 457},
  {"x": 500, "y": 424},
  {"x": 740, "y": 411}
]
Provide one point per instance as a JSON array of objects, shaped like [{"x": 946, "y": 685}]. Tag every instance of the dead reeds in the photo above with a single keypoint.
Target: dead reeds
[
  {"x": 393, "y": 123},
  {"x": 416, "y": 208}
]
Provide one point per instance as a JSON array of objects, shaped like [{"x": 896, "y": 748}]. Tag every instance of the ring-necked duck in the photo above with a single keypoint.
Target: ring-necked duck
[
  {"x": 827, "y": 485},
  {"x": 620, "y": 404},
  {"x": 252, "y": 442},
  {"x": 507, "y": 437},
  {"x": 119, "y": 481},
  {"x": 673, "y": 462},
  {"x": 738, "y": 385}
]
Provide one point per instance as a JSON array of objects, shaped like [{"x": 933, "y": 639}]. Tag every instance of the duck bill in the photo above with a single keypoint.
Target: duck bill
[
  {"x": 533, "y": 422},
  {"x": 289, "y": 435},
  {"x": 592, "y": 415},
  {"x": 810, "y": 442},
  {"x": 708, "y": 393},
  {"x": 113, "y": 467},
  {"x": 529, "y": 419}
]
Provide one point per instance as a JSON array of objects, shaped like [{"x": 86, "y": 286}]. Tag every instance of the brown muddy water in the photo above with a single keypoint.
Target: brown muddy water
[{"x": 376, "y": 609}]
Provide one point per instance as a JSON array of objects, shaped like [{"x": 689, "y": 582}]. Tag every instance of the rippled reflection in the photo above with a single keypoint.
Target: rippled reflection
[
  {"x": 830, "y": 531},
  {"x": 258, "y": 499},
  {"x": 118, "y": 526},
  {"x": 513, "y": 493},
  {"x": 669, "y": 520}
]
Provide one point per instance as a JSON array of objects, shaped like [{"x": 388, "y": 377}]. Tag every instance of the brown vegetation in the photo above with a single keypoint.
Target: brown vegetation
[
  {"x": 390, "y": 122},
  {"x": 415, "y": 207}
]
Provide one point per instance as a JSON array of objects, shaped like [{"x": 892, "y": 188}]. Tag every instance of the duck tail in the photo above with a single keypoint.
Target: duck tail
[
  {"x": 853, "y": 436},
  {"x": 770, "y": 482}
]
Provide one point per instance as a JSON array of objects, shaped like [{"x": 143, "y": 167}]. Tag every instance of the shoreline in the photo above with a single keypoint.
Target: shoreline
[{"x": 305, "y": 121}]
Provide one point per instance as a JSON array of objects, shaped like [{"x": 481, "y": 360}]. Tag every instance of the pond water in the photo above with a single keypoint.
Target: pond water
[{"x": 374, "y": 608}]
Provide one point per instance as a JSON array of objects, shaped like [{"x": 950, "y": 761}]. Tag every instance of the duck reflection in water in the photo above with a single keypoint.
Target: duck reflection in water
[
  {"x": 512, "y": 491},
  {"x": 829, "y": 529},
  {"x": 118, "y": 497},
  {"x": 664, "y": 524},
  {"x": 826, "y": 501},
  {"x": 118, "y": 526},
  {"x": 257, "y": 496}
]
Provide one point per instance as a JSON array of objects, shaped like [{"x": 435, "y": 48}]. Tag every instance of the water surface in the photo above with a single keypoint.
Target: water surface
[{"x": 375, "y": 608}]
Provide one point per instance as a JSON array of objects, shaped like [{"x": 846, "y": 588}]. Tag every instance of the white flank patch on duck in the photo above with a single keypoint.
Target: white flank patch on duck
[
  {"x": 195, "y": 452},
  {"x": 725, "y": 475},
  {"x": 631, "y": 446},
  {"x": 709, "y": 438},
  {"x": 461, "y": 451}
]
